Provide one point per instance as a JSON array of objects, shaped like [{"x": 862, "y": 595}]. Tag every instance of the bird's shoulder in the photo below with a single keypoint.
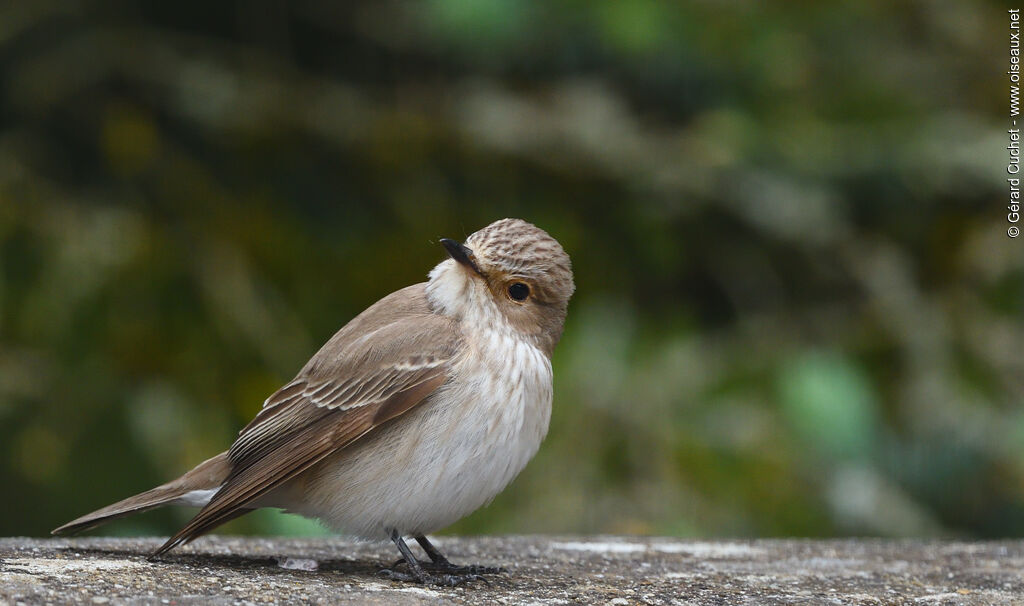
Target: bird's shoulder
[{"x": 392, "y": 333}]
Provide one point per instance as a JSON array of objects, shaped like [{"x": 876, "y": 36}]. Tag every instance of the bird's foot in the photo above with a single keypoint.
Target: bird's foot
[
  {"x": 439, "y": 571},
  {"x": 427, "y": 578}
]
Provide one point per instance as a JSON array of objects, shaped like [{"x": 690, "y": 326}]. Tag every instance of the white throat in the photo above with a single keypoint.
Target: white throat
[{"x": 453, "y": 292}]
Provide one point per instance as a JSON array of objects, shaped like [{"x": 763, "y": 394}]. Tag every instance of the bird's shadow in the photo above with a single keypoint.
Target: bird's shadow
[{"x": 267, "y": 564}]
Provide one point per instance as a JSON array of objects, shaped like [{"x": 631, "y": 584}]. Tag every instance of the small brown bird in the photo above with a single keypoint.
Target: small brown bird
[{"x": 413, "y": 415}]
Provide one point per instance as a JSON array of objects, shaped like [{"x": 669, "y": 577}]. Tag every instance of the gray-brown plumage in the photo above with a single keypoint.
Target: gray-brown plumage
[{"x": 418, "y": 411}]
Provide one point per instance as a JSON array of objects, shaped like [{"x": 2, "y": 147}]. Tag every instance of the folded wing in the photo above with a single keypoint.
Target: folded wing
[{"x": 359, "y": 380}]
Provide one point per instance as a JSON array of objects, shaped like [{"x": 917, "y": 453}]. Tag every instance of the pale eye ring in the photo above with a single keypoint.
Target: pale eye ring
[{"x": 517, "y": 291}]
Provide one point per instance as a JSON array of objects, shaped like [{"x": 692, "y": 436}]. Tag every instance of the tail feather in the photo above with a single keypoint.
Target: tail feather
[{"x": 189, "y": 489}]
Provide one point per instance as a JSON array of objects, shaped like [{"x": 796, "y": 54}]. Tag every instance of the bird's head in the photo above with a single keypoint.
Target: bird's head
[{"x": 510, "y": 273}]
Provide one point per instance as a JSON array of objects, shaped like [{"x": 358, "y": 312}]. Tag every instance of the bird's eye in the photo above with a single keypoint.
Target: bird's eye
[{"x": 518, "y": 291}]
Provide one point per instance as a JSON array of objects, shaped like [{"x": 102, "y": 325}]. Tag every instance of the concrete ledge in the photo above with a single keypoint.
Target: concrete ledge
[{"x": 542, "y": 570}]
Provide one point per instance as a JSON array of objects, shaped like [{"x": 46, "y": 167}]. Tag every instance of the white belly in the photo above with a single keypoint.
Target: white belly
[{"x": 442, "y": 460}]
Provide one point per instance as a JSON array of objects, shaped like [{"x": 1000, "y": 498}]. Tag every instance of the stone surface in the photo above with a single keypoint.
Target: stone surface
[{"x": 541, "y": 570}]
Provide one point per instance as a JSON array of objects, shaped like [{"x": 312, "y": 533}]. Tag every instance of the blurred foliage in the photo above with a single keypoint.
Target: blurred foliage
[{"x": 797, "y": 311}]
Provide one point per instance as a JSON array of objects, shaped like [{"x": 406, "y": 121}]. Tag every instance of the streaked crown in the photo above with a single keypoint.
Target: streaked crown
[{"x": 513, "y": 247}]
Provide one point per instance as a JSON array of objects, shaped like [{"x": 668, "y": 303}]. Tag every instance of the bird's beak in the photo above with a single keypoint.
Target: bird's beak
[{"x": 462, "y": 254}]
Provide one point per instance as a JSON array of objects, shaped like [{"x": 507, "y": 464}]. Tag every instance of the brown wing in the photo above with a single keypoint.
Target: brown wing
[{"x": 355, "y": 383}]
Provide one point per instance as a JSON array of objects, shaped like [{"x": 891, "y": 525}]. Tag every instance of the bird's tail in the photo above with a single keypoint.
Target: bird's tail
[{"x": 194, "y": 488}]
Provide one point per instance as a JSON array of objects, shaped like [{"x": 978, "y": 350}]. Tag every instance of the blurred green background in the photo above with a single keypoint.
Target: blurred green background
[{"x": 797, "y": 313}]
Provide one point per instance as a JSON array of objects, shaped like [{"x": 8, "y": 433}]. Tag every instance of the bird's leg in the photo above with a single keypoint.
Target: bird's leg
[
  {"x": 441, "y": 563},
  {"x": 416, "y": 572}
]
